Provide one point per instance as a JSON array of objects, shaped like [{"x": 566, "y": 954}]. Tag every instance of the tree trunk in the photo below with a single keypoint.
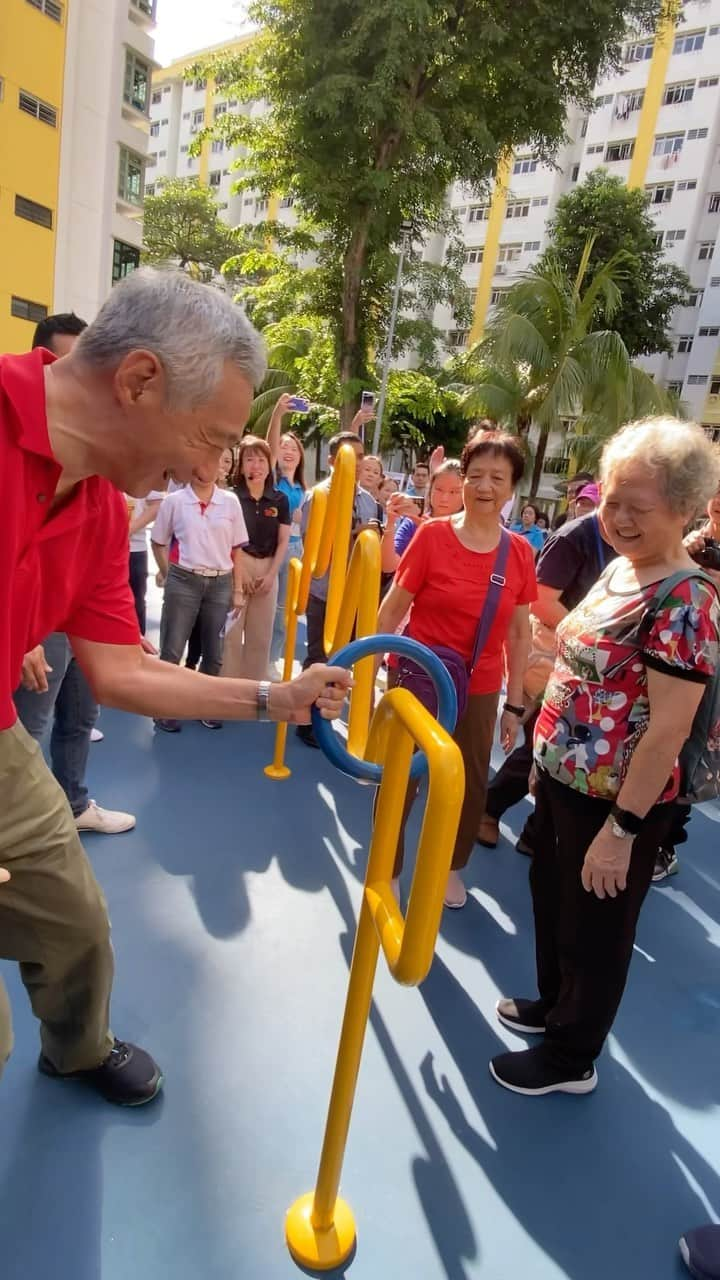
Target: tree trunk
[
  {"x": 539, "y": 460},
  {"x": 351, "y": 357}
]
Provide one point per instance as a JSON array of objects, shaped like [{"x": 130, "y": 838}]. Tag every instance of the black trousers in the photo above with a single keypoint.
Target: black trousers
[
  {"x": 583, "y": 944},
  {"x": 315, "y": 625},
  {"x": 138, "y": 573}
]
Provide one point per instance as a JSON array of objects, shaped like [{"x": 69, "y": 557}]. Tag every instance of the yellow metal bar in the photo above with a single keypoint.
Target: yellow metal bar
[
  {"x": 278, "y": 769},
  {"x": 496, "y": 219},
  {"x": 320, "y": 1228},
  {"x": 664, "y": 39}
]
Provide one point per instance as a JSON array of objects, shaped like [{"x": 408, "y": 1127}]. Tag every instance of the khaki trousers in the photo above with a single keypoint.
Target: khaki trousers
[
  {"x": 53, "y": 917},
  {"x": 247, "y": 647}
]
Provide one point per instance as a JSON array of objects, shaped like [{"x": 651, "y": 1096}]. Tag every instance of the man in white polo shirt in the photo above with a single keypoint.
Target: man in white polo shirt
[{"x": 207, "y": 580}]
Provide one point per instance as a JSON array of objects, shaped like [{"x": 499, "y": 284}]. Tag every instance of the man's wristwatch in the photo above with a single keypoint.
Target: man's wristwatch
[
  {"x": 624, "y": 824},
  {"x": 263, "y": 700},
  {"x": 514, "y": 711}
]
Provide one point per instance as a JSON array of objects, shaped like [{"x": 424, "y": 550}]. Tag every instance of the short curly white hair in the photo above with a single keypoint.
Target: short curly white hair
[{"x": 681, "y": 454}]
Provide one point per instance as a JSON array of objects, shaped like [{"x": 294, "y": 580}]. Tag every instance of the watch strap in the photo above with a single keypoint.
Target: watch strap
[
  {"x": 263, "y": 700},
  {"x": 626, "y": 819}
]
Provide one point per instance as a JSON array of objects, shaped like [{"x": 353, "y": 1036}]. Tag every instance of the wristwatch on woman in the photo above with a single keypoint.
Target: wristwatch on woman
[
  {"x": 624, "y": 824},
  {"x": 263, "y": 700},
  {"x": 514, "y": 711}
]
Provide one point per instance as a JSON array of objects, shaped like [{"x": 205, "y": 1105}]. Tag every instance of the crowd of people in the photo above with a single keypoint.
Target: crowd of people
[{"x": 116, "y": 430}]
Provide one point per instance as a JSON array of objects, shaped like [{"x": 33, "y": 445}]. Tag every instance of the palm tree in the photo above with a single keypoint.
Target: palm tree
[{"x": 544, "y": 358}]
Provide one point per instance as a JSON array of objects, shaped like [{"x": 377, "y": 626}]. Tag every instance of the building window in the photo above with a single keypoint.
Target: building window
[
  {"x": 584, "y": 127},
  {"x": 126, "y": 258},
  {"x": 261, "y": 206},
  {"x": 49, "y": 7},
  {"x": 509, "y": 252},
  {"x": 33, "y": 212},
  {"x": 36, "y": 107},
  {"x": 709, "y": 331},
  {"x": 137, "y": 81},
  {"x": 186, "y": 115},
  {"x": 184, "y": 149},
  {"x": 708, "y": 82},
  {"x": 200, "y": 84},
  {"x": 714, "y": 202},
  {"x": 157, "y": 97},
  {"x": 690, "y": 43},
  {"x": 694, "y": 298},
  {"x": 675, "y": 388},
  {"x": 145, "y": 6},
  {"x": 675, "y": 93},
  {"x": 694, "y": 134},
  {"x": 672, "y": 237},
  {"x": 149, "y": 189},
  {"x": 685, "y": 343},
  {"x": 24, "y": 309},
  {"x": 217, "y": 145},
  {"x": 219, "y": 109},
  {"x": 473, "y": 255},
  {"x": 539, "y": 201},
  {"x": 604, "y": 100},
  {"x": 162, "y": 154},
  {"x": 661, "y": 193},
  {"x": 525, "y": 164},
  {"x": 688, "y": 185},
  {"x": 130, "y": 177},
  {"x": 198, "y": 119},
  {"x": 657, "y": 238},
  {"x": 575, "y": 172},
  {"x": 531, "y": 246},
  {"x": 478, "y": 212},
  {"x": 629, "y": 102},
  {"x": 620, "y": 151},
  {"x": 639, "y": 51},
  {"x": 287, "y": 202},
  {"x": 595, "y": 149},
  {"x": 715, "y": 386},
  {"x": 155, "y": 130},
  {"x": 517, "y": 209},
  {"x": 705, "y": 251},
  {"x": 667, "y": 144},
  {"x": 151, "y": 160},
  {"x": 496, "y": 296},
  {"x": 457, "y": 337},
  {"x": 215, "y": 176},
  {"x": 715, "y": 282},
  {"x": 697, "y": 379}
]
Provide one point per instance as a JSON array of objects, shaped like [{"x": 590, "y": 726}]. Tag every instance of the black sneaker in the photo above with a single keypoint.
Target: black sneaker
[
  {"x": 306, "y": 735},
  {"x": 533, "y": 1072},
  {"x": 521, "y": 1015},
  {"x": 700, "y": 1251},
  {"x": 522, "y": 846},
  {"x": 168, "y": 726},
  {"x": 128, "y": 1076},
  {"x": 212, "y": 724},
  {"x": 666, "y": 864}
]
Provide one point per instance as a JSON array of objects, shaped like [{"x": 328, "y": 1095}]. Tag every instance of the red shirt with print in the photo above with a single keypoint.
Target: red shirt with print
[
  {"x": 450, "y": 583},
  {"x": 60, "y": 570}
]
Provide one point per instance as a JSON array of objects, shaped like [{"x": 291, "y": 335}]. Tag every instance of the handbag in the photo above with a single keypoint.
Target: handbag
[{"x": 411, "y": 676}]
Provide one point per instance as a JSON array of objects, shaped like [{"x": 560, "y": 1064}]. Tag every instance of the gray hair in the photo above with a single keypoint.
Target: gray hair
[
  {"x": 686, "y": 461},
  {"x": 192, "y": 328}
]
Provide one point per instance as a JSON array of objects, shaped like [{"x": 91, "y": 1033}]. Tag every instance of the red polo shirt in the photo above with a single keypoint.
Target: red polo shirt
[{"x": 63, "y": 570}]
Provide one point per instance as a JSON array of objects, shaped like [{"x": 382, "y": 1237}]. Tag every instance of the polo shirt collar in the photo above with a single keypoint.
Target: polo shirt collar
[
  {"x": 24, "y": 385},
  {"x": 191, "y": 496}
]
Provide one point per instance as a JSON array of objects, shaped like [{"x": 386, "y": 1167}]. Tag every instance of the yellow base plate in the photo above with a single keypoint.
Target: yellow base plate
[
  {"x": 319, "y": 1250},
  {"x": 277, "y": 771}
]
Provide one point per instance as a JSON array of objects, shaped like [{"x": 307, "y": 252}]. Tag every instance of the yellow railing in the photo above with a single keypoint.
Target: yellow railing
[
  {"x": 319, "y": 1228},
  {"x": 352, "y": 599}
]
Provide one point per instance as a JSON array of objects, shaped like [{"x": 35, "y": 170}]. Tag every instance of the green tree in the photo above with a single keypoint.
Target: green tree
[
  {"x": 620, "y": 219},
  {"x": 373, "y": 110},
  {"x": 421, "y": 413},
  {"x": 545, "y": 357},
  {"x": 182, "y": 224}
]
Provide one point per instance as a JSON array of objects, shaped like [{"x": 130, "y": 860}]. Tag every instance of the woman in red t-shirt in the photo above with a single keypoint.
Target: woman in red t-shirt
[
  {"x": 443, "y": 579},
  {"x": 617, "y": 710}
]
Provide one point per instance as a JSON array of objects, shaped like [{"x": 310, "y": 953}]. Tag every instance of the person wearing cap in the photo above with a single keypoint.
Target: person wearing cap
[{"x": 587, "y": 500}]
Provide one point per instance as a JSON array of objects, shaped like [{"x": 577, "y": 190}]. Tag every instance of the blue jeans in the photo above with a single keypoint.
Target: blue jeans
[
  {"x": 73, "y": 709},
  {"x": 277, "y": 644},
  {"x": 189, "y": 597}
]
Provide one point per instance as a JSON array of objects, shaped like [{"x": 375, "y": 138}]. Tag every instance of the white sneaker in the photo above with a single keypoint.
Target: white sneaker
[
  {"x": 96, "y": 735},
  {"x": 109, "y": 822}
]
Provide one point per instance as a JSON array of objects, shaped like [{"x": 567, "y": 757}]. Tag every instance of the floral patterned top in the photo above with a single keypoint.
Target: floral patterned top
[{"x": 595, "y": 709}]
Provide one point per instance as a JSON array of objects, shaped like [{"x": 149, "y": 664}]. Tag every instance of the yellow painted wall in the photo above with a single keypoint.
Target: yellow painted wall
[
  {"x": 498, "y": 206},
  {"x": 32, "y": 57},
  {"x": 664, "y": 40}
]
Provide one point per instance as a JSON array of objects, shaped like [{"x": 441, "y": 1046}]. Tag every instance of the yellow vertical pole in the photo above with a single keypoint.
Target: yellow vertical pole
[
  {"x": 491, "y": 247},
  {"x": 664, "y": 39}
]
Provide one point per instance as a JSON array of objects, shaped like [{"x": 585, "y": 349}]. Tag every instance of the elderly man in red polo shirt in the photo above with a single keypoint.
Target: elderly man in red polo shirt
[{"x": 155, "y": 388}]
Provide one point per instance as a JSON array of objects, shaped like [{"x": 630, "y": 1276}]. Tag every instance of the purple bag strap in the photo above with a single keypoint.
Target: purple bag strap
[{"x": 492, "y": 599}]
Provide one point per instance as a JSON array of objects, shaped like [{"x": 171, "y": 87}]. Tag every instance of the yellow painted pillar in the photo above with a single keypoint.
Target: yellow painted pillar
[
  {"x": 664, "y": 40},
  {"x": 711, "y": 408},
  {"x": 205, "y": 153},
  {"x": 492, "y": 244}
]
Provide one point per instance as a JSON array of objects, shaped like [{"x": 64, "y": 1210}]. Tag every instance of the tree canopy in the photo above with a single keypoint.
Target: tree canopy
[
  {"x": 182, "y": 224},
  {"x": 619, "y": 219},
  {"x": 374, "y": 110}
]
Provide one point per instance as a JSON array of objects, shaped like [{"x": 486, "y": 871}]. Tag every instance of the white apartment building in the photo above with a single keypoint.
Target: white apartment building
[{"x": 655, "y": 123}]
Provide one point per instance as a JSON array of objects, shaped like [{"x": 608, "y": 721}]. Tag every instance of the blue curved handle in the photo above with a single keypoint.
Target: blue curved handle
[{"x": 329, "y": 741}]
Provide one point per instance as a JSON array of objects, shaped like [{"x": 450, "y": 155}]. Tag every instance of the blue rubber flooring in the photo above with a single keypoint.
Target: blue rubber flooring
[{"x": 234, "y": 905}]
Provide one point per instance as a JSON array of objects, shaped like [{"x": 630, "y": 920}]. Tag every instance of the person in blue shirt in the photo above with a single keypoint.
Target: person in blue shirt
[
  {"x": 290, "y": 480},
  {"x": 527, "y": 526}
]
